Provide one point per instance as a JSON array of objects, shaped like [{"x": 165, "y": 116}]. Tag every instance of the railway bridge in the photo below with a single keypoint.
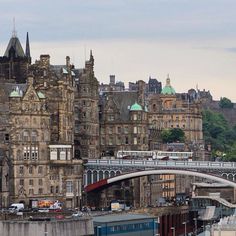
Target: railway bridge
[{"x": 101, "y": 172}]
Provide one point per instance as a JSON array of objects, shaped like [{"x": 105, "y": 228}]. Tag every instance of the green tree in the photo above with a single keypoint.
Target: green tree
[
  {"x": 218, "y": 133},
  {"x": 165, "y": 135},
  {"x": 225, "y": 103},
  {"x": 172, "y": 135}
]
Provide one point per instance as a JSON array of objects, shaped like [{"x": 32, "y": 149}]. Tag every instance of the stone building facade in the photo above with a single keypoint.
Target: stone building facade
[
  {"x": 53, "y": 117},
  {"x": 37, "y": 125},
  {"x": 170, "y": 110},
  {"x": 87, "y": 113}
]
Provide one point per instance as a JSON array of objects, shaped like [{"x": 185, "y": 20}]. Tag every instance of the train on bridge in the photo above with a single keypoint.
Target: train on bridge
[{"x": 155, "y": 155}]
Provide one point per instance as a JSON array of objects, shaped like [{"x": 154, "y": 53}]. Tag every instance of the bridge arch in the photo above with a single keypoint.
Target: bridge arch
[{"x": 132, "y": 175}]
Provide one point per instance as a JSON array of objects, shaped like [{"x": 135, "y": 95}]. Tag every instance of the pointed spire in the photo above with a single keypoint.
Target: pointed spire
[
  {"x": 27, "y": 48},
  {"x": 168, "y": 80},
  {"x": 91, "y": 56},
  {"x": 14, "y": 35}
]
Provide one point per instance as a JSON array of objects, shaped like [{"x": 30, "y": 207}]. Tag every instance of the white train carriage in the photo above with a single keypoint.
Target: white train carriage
[{"x": 155, "y": 155}]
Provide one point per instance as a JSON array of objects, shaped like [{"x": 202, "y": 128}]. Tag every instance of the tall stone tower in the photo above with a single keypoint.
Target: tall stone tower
[
  {"x": 86, "y": 105},
  {"x": 15, "y": 62}
]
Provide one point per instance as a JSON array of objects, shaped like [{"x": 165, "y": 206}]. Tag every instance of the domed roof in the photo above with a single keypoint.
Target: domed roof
[
  {"x": 136, "y": 107},
  {"x": 15, "y": 94},
  {"x": 168, "y": 89}
]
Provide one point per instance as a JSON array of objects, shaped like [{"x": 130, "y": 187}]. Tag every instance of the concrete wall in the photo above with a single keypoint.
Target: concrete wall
[{"x": 43, "y": 228}]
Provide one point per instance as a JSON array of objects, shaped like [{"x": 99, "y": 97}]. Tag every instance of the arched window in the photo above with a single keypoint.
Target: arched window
[
  {"x": 95, "y": 176},
  {"x": 100, "y": 175},
  {"x": 112, "y": 174},
  {"x": 89, "y": 177},
  {"x": 106, "y": 174}
]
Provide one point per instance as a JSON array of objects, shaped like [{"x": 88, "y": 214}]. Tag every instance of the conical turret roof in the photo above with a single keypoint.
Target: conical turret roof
[{"x": 14, "y": 44}]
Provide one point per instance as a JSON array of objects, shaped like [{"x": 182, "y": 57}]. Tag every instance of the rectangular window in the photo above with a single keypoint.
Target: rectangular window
[
  {"x": 40, "y": 170},
  {"x": 118, "y": 141},
  {"x": 31, "y": 191},
  {"x": 68, "y": 154},
  {"x": 118, "y": 129},
  {"x": 6, "y": 137},
  {"x": 135, "y": 141},
  {"x": 110, "y": 130},
  {"x": 126, "y": 140},
  {"x": 40, "y": 190},
  {"x": 110, "y": 140},
  {"x": 34, "y": 136},
  {"x": 22, "y": 182},
  {"x": 21, "y": 170},
  {"x": 25, "y": 153},
  {"x": 126, "y": 129},
  {"x": 69, "y": 186},
  {"x": 31, "y": 182},
  {"x": 31, "y": 170},
  {"x": 34, "y": 153},
  {"x": 53, "y": 154},
  {"x": 62, "y": 155},
  {"x": 52, "y": 189},
  {"x": 40, "y": 182},
  {"x": 135, "y": 130}
]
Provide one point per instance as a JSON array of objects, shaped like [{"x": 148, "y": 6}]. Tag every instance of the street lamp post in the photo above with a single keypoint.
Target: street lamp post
[
  {"x": 173, "y": 228},
  {"x": 185, "y": 228}
]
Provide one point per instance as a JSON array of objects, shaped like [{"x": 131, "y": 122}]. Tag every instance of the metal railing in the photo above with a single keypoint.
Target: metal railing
[{"x": 162, "y": 164}]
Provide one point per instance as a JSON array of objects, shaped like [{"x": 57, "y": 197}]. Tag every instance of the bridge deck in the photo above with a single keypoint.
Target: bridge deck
[{"x": 157, "y": 163}]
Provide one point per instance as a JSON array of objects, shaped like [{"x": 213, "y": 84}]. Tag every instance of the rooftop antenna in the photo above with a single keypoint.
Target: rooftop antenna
[{"x": 14, "y": 28}]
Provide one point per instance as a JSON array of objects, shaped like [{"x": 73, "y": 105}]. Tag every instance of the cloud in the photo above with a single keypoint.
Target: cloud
[{"x": 233, "y": 50}]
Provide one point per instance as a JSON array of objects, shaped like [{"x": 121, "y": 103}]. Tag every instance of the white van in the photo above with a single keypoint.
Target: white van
[{"x": 16, "y": 207}]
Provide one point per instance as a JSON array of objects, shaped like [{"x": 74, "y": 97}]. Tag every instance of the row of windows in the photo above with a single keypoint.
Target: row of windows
[
  {"x": 30, "y": 153},
  {"x": 42, "y": 121},
  {"x": 31, "y": 170},
  {"x": 125, "y": 141},
  {"x": 125, "y": 130},
  {"x": 31, "y": 182},
  {"x": 60, "y": 154},
  {"x": 53, "y": 189},
  {"x": 137, "y": 117},
  {"x": 31, "y": 191},
  {"x": 32, "y": 136},
  {"x": 127, "y": 228}
]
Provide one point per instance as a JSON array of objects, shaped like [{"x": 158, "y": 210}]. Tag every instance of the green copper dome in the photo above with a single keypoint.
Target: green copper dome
[
  {"x": 41, "y": 95},
  {"x": 168, "y": 89},
  {"x": 136, "y": 107},
  {"x": 15, "y": 94}
]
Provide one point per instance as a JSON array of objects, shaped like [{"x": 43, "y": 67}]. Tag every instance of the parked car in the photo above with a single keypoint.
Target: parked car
[
  {"x": 43, "y": 210},
  {"x": 77, "y": 214},
  {"x": 16, "y": 207}
]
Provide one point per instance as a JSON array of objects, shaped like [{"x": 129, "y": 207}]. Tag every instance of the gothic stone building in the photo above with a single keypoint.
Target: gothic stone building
[
  {"x": 38, "y": 126},
  {"x": 87, "y": 141}
]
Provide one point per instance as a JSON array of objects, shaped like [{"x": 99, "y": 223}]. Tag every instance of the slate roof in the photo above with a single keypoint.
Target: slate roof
[
  {"x": 124, "y": 100},
  {"x": 16, "y": 45},
  {"x": 120, "y": 217}
]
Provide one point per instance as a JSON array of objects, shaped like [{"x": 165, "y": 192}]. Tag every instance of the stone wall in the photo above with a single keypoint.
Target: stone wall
[{"x": 80, "y": 227}]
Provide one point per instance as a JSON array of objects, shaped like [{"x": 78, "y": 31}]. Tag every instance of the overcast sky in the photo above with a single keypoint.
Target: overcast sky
[{"x": 194, "y": 41}]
